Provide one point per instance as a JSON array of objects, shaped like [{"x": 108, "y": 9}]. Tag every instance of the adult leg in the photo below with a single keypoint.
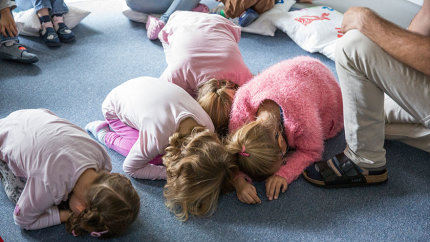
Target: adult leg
[
  {"x": 366, "y": 72},
  {"x": 13, "y": 185},
  {"x": 403, "y": 127}
]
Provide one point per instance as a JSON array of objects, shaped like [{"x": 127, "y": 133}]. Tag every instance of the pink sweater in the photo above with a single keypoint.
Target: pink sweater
[{"x": 310, "y": 97}]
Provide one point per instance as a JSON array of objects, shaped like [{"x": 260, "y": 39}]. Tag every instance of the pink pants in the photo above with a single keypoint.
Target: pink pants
[{"x": 123, "y": 137}]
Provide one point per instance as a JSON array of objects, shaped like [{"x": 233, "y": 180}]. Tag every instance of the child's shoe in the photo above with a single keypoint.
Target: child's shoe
[
  {"x": 98, "y": 129},
  {"x": 50, "y": 37},
  {"x": 201, "y": 8},
  {"x": 64, "y": 33},
  {"x": 247, "y": 17},
  {"x": 153, "y": 27},
  {"x": 17, "y": 52}
]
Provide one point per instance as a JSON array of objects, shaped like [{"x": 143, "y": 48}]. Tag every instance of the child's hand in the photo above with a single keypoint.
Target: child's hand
[
  {"x": 245, "y": 191},
  {"x": 274, "y": 184},
  {"x": 7, "y": 23},
  {"x": 64, "y": 215}
]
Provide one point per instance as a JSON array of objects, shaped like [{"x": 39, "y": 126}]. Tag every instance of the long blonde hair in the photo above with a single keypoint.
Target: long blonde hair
[
  {"x": 112, "y": 205},
  {"x": 215, "y": 99},
  {"x": 198, "y": 167},
  {"x": 256, "y": 149}
]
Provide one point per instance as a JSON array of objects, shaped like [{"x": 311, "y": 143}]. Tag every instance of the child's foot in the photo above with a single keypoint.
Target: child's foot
[
  {"x": 64, "y": 33},
  {"x": 153, "y": 27},
  {"x": 50, "y": 37},
  {"x": 247, "y": 17},
  {"x": 201, "y": 8},
  {"x": 98, "y": 129},
  {"x": 17, "y": 52}
]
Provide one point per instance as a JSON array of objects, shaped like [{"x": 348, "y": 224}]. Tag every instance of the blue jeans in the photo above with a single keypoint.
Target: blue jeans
[
  {"x": 164, "y": 7},
  {"x": 54, "y": 6},
  {"x": 6, "y": 38}
]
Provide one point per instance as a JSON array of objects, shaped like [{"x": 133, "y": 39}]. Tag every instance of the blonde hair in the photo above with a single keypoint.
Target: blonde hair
[
  {"x": 213, "y": 96},
  {"x": 112, "y": 205},
  {"x": 198, "y": 168},
  {"x": 256, "y": 150}
]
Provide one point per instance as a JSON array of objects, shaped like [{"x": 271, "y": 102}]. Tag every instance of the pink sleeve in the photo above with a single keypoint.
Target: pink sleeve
[
  {"x": 307, "y": 137},
  {"x": 36, "y": 207},
  {"x": 296, "y": 164}
]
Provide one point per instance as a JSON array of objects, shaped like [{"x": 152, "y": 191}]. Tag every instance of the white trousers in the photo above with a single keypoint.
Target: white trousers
[{"x": 382, "y": 98}]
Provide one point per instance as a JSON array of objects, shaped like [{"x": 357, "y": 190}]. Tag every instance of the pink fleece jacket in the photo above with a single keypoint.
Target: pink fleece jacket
[{"x": 311, "y": 100}]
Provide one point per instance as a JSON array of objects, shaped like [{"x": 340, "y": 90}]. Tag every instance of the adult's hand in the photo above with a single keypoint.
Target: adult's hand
[
  {"x": 355, "y": 18},
  {"x": 7, "y": 23}
]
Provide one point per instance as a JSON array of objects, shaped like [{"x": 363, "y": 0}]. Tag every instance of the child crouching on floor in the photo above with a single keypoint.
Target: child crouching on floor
[
  {"x": 60, "y": 162},
  {"x": 203, "y": 57},
  {"x": 279, "y": 122},
  {"x": 146, "y": 118}
]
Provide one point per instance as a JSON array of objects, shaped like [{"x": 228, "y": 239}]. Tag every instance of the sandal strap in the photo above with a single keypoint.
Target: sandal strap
[{"x": 349, "y": 172}]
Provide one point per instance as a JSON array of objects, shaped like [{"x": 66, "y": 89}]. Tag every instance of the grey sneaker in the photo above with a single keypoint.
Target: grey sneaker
[{"x": 17, "y": 52}]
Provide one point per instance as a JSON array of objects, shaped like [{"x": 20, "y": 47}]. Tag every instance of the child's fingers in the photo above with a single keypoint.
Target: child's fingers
[
  {"x": 270, "y": 187},
  {"x": 284, "y": 186},
  {"x": 249, "y": 199},
  {"x": 277, "y": 190},
  {"x": 255, "y": 197}
]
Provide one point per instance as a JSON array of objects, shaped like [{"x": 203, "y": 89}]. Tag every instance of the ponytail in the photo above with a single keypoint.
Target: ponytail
[{"x": 215, "y": 96}]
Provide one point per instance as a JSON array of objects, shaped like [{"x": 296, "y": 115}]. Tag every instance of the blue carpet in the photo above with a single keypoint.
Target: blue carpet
[{"x": 74, "y": 79}]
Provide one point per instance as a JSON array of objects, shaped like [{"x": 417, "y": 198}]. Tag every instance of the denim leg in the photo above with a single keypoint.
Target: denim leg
[
  {"x": 41, "y": 4},
  {"x": 149, "y": 6},
  {"x": 6, "y": 38},
  {"x": 179, "y": 5},
  {"x": 58, "y": 7},
  {"x": 23, "y": 4},
  {"x": 54, "y": 6}
]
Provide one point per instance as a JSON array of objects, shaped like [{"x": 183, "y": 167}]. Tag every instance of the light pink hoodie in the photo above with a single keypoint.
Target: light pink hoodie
[
  {"x": 311, "y": 100},
  {"x": 199, "y": 47}
]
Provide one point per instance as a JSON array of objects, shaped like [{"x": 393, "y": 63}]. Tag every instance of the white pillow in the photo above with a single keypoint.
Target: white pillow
[
  {"x": 28, "y": 23},
  {"x": 314, "y": 29},
  {"x": 263, "y": 25}
]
